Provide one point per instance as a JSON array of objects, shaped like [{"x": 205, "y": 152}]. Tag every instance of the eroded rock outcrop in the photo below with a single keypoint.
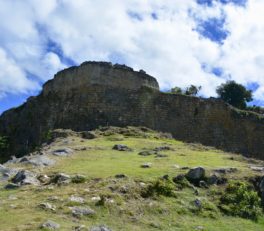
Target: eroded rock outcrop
[{"x": 101, "y": 94}]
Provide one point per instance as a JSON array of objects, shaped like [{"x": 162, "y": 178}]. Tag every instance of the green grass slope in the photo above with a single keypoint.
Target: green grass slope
[{"x": 122, "y": 204}]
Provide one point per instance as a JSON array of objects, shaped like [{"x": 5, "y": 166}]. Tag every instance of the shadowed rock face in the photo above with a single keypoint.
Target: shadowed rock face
[{"x": 100, "y": 94}]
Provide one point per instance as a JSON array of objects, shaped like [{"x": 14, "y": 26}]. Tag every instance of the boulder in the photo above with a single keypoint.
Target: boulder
[
  {"x": 12, "y": 186},
  {"x": 146, "y": 165},
  {"x": 77, "y": 199},
  {"x": 80, "y": 228},
  {"x": 257, "y": 168},
  {"x": 120, "y": 176},
  {"x": 78, "y": 179},
  {"x": 203, "y": 184},
  {"x": 25, "y": 177},
  {"x": 62, "y": 152},
  {"x": 147, "y": 153},
  {"x": 226, "y": 170},
  {"x": 197, "y": 203},
  {"x": 196, "y": 174},
  {"x": 5, "y": 172},
  {"x": 88, "y": 135},
  {"x": 121, "y": 147},
  {"x": 159, "y": 155},
  {"x": 50, "y": 225},
  {"x": 47, "y": 206},
  {"x": 163, "y": 148},
  {"x": 61, "y": 178},
  {"x": 39, "y": 160},
  {"x": 82, "y": 211},
  {"x": 100, "y": 228}
]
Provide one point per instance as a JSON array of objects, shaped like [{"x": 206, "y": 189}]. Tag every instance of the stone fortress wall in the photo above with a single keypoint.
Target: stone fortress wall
[{"x": 101, "y": 94}]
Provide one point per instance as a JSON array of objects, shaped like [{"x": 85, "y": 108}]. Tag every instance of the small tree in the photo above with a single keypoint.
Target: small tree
[
  {"x": 192, "y": 90},
  {"x": 176, "y": 90},
  {"x": 235, "y": 94}
]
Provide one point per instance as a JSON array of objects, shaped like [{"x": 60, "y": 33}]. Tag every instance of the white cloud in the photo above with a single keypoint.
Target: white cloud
[
  {"x": 167, "y": 48},
  {"x": 12, "y": 78}
]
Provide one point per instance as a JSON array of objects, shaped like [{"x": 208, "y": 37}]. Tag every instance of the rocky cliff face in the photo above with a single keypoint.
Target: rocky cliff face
[{"x": 101, "y": 94}]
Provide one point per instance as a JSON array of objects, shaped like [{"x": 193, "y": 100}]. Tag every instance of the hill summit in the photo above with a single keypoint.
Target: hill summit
[{"x": 98, "y": 94}]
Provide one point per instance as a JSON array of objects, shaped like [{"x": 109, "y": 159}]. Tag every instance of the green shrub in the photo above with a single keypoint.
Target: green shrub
[
  {"x": 239, "y": 199},
  {"x": 3, "y": 143},
  {"x": 160, "y": 188},
  {"x": 78, "y": 179}
]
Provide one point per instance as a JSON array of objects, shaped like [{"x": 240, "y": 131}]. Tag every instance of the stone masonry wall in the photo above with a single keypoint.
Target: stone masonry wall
[{"x": 65, "y": 103}]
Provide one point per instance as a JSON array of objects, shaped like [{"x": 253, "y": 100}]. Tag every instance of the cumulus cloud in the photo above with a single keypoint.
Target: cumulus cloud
[
  {"x": 12, "y": 78},
  {"x": 168, "y": 39}
]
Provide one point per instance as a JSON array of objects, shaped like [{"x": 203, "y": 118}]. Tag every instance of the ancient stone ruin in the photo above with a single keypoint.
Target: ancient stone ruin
[{"x": 101, "y": 94}]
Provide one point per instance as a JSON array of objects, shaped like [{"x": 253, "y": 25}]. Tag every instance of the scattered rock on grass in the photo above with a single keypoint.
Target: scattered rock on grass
[
  {"x": 147, "y": 153},
  {"x": 25, "y": 177},
  {"x": 146, "y": 165},
  {"x": 12, "y": 186},
  {"x": 163, "y": 148},
  {"x": 82, "y": 211},
  {"x": 100, "y": 228},
  {"x": 196, "y": 174},
  {"x": 80, "y": 228},
  {"x": 120, "y": 176},
  {"x": 198, "y": 203},
  {"x": 62, "y": 152},
  {"x": 257, "y": 169},
  {"x": 121, "y": 147},
  {"x": 78, "y": 179},
  {"x": 226, "y": 170},
  {"x": 159, "y": 155},
  {"x": 38, "y": 160},
  {"x": 51, "y": 225},
  {"x": 61, "y": 178},
  {"x": 77, "y": 199},
  {"x": 47, "y": 206}
]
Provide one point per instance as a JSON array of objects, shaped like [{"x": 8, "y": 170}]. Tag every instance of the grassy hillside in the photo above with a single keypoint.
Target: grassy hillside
[{"x": 123, "y": 194}]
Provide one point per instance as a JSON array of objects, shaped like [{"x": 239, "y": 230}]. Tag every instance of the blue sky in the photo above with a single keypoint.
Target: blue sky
[{"x": 181, "y": 42}]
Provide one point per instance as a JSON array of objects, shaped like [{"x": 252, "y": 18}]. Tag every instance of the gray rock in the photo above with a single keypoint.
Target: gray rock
[
  {"x": 88, "y": 135},
  {"x": 25, "y": 177},
  {"x": 203, "y": 184},
  {"x": 159, "y": 155},
  {"x": 257, "y": 169},
  {"x": 39, "y": 160},
  {"x": 199, "y": 228},
  {"x": 12, "y": 186},
  {"x": 100, "y": 228},
  {"x": 44, "y": 179},
  {"x": 82, "y": 211},
  {"x": 147, "y": 153},
  {"x": 121, "y": 147},
  {"x": 213, "y": 179},
  {"x": 61, "y": 178},
  {"x": 77, "y": 199},
  {"x": 146, "y": 165},
  {"x": 62, "y": 152},
  {"x": 198, "y": 203},
  {"x": 226, "y": 170},
  {"x": 51, "y": 225},
  {"x": 78, "y": 179},
  {"x": 119, "y": 176},
  {"x": 47, "y": 206},
  {"x": 196, "y": 174},
  {"x": 5, "y": 172},
  {"x": 163, "y": 148},
  {"x": 80, "y": 228}
]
